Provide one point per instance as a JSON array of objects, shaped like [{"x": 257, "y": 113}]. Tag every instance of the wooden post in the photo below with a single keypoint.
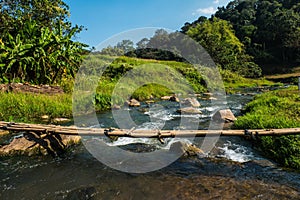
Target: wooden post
[{"x": 299, "y": 83}]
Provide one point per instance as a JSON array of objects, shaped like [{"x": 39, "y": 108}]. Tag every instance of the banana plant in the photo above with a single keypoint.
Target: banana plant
[{"x": 39, "y": 55}]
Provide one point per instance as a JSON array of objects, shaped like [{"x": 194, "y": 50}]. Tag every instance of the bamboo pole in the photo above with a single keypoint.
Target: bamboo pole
[{"x": 73, "y": 130}]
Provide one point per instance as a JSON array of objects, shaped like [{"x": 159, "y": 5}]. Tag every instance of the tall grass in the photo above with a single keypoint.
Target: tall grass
[{"x": 26, "y": 107}]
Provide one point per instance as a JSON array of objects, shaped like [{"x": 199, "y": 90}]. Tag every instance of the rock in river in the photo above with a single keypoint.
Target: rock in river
[
  {"x": 185, "y": 149},
  {"x": 133, "y": 103},
  {"x": 224, "y": 115},
  {"x": 174, "y": 98},
  {"x": 189, "y": 110},
  {"x": 165, "y": 97},
  {"x": 190, "y": 102},
  {"x": 33, "y": 145}
]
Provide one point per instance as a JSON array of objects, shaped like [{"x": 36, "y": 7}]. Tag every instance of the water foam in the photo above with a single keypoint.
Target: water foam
[{"x": 236, "y": 152}]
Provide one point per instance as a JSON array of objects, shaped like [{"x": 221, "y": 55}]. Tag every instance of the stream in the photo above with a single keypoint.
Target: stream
[{"x": 233, "y": 170}]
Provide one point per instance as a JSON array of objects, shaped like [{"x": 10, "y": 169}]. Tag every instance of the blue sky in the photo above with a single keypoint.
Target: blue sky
[{"x": 103, "y": 19}]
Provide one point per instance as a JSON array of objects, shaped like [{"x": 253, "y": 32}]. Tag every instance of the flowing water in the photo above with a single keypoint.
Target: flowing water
[{"x": 233, "y": 170}]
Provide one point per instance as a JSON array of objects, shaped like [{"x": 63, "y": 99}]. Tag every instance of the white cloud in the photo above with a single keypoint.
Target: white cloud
[
  {"x": 206, "y": 11},
  {"x": 216, "y": 1}
]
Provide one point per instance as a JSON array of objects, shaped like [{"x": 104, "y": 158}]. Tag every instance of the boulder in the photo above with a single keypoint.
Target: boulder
[
  {"x": 224, "y": 115},
  {"x": 19, "y": 146},
  {"x": 174, "y": 98},
  {"x": 185, "y": 149},
  {"x": 189, "y": 110},
  {"x": 34, "y": 146},
  {"x": 133, "y": 103},
  {"x": 165, "y": 98},
  {"x": 208, "y": 96},
  {"x": 60, "y": 120},
  {"x": 170, "y": 98},
  {"x": 190, "y": 102}
]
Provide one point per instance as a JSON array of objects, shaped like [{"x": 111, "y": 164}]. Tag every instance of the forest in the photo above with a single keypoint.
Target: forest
[{"x": 250, "y": 37}]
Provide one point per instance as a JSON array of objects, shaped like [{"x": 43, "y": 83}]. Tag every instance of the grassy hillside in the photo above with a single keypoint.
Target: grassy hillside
[
  {"x": 197, "y": 80},
  {"x": 29, "y": 107}
]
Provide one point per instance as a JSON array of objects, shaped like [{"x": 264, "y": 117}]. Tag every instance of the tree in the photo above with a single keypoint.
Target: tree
[
  {"x": 160, "y": 38},
  {"x": 46, "y": 13},
  {"x": 187, "y": 25},
  {"x": 265, "y": 27},
  {"x": 112, "y": 51},
  {"x": 218, "y": 38},
  {"x": 142, "y": 44},
  {"x": 126, "y": 46},
  {"x": 153, "y": 48}
]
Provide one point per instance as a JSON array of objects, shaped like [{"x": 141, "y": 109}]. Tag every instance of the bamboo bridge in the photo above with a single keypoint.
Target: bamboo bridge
[
  {"x": 41, "y": 129},
  {"x": 50, "y": 136}
]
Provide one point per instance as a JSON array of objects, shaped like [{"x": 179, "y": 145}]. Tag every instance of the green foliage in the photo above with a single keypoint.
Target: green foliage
[
  {"x": 268, "y": 28},
  {"x": 276, "y": 109},
  {"x": 218, "y": 38},
  {"x": 36, "y": 42},
  {"x": 20, "y": 107},
  {"x": 67, "y": 84},
  {"x": 46, "y": 13},
  {"x": 102, "y": 101},
  {"x": 117, "y": 67},
  {"x": 38, "y": 55}
]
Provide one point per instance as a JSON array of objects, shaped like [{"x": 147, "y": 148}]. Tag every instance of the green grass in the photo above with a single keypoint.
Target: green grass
[
  {"x": 151, "y": 91},
  {"x": 25, "y": 107},
  {"x": 276, "y": 109},
  {"x": 233, "y": 82},
  {"x": 116, "y": 67}
]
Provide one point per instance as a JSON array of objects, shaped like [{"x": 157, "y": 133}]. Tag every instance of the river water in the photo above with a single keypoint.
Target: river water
[{"x": 233, "y": 170}]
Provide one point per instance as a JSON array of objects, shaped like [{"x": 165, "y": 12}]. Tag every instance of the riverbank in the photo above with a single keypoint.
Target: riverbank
[{"x": 275, "y": 109}]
